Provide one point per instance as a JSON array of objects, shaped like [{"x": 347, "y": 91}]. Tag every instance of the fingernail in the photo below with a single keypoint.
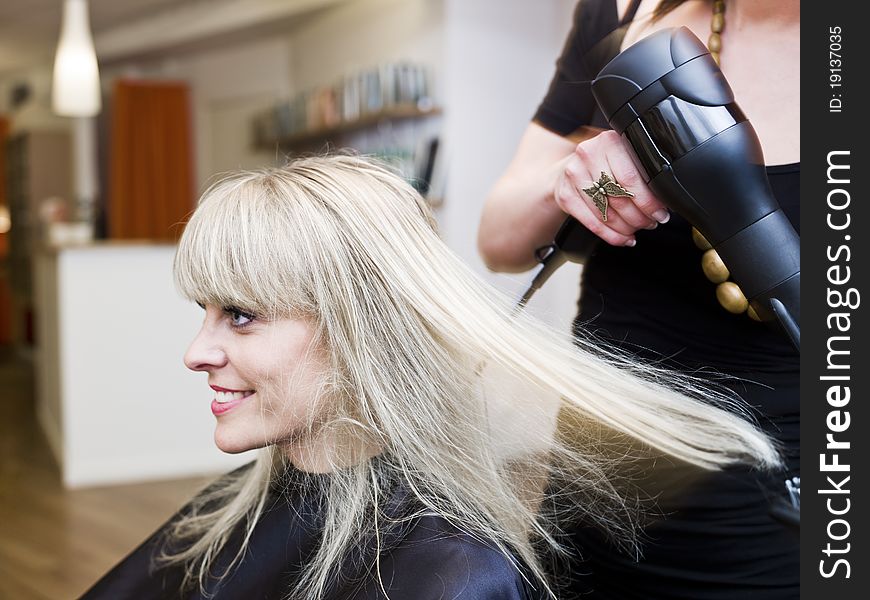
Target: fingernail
[
  {"x": 631, "y": 243},
  {"x": 661, "y": 215},
  {"x": 651, "y": 226}
]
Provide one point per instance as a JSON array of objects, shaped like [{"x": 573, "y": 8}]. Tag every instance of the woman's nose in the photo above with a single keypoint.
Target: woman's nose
[{"x": 204, "y": 353}]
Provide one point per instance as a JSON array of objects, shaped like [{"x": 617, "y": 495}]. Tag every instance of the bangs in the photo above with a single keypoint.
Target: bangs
[{"x": 238, "y": 251}]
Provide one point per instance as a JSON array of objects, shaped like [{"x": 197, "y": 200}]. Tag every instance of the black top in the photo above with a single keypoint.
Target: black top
[
  {"x": 422, "y": 556},
  {"x": 719, "y": 540}
]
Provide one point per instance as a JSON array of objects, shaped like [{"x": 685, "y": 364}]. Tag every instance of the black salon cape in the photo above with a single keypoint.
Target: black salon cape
[{"x": 423, "y": 558}]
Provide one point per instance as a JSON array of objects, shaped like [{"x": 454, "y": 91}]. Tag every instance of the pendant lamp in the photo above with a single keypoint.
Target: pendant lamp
[{"x": 76, "y": 83}]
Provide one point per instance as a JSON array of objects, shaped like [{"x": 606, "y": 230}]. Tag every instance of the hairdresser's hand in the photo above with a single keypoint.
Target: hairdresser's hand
[{"x": 607, "y": 152}]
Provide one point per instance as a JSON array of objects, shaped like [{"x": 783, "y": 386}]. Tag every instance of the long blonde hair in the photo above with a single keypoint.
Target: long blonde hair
[{"x": 434, "y": 366}]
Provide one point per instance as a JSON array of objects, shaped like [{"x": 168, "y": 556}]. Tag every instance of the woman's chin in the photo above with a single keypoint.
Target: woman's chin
[{"x": 232, "y": 444}]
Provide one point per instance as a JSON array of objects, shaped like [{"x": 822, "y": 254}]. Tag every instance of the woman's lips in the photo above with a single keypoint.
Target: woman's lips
[{"x": 225, "y": 400}]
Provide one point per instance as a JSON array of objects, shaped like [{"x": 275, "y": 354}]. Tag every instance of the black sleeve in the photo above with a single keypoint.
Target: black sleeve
[{"x": 569, "y": 103}]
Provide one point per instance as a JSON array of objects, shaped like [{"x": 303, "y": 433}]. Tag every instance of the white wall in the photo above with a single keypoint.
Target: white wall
[
  {"x": 360, "y": 34},
  {"x": 228, "y": 86},
  {"x": 35, "y": 114},
  {"x": 499, "y": 60}
]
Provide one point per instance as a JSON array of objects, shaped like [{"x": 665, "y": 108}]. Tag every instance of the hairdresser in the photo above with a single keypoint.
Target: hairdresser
[{"x": 646, "y": 289}]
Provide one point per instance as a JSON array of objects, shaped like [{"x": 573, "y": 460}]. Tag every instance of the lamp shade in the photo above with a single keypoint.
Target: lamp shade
[{"x": 76, "y": 82}]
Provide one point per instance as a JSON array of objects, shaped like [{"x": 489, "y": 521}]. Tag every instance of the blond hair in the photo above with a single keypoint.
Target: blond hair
[{"x": 431, "y": 364}]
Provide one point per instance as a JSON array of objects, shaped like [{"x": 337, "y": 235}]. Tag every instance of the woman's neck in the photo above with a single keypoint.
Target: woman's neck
[
  {"x": 329, "y": 451},
  {"x": 739, "y": 13}
]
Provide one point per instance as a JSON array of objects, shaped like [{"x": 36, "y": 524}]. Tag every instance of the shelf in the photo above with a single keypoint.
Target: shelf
[{"x": 307, "y": 138}]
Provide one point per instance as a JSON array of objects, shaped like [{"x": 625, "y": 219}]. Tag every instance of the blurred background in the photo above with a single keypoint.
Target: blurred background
[{"x": 114, "y": 117}]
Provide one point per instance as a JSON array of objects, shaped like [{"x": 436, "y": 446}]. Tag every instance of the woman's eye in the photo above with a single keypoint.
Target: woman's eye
[{"x": 239, "y": 318}]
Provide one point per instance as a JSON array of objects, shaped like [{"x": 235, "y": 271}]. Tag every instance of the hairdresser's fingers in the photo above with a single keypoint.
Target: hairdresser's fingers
[
  {"x": 615, "y": 222},
  {"x": 625, "y": 207},
  {"x": 644, "y": 209},
  {"x": 571, "y": 198},
  {"x": 617, "y": 174},
  {"x": 622, "y": 214}
]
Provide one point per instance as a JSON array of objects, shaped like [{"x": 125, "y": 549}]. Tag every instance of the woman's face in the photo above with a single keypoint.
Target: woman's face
[{"x": 264, "y": 374}]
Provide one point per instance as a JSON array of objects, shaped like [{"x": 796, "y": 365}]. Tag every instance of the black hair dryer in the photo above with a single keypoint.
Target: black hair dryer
[{"x": 667, "y": 97}]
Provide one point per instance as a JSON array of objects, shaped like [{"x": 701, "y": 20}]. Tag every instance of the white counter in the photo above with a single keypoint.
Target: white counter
[{"x": 113, "y": 396}]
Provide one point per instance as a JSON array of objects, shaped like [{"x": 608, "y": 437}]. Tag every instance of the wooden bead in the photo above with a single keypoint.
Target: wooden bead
[
  {"x": 718, "y": 7},
  {"x": 715, "y": 56},
  {"x": 731, "y": 297},
  {"x": 714, "y": 43},
  {"x": 713, "y": 267},
  {"x": 700, "y": 241},
  {"x": 718, "y": 23},
  {"x": 752, "y": 314}
]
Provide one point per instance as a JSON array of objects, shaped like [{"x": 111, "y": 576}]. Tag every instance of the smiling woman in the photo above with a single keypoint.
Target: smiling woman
[
  {"x": 264, "y": 373},
  {"x": 408, "y": 415}
]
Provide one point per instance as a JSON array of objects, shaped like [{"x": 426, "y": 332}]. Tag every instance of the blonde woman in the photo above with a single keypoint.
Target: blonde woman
[{"x": 407, "y": 416}]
